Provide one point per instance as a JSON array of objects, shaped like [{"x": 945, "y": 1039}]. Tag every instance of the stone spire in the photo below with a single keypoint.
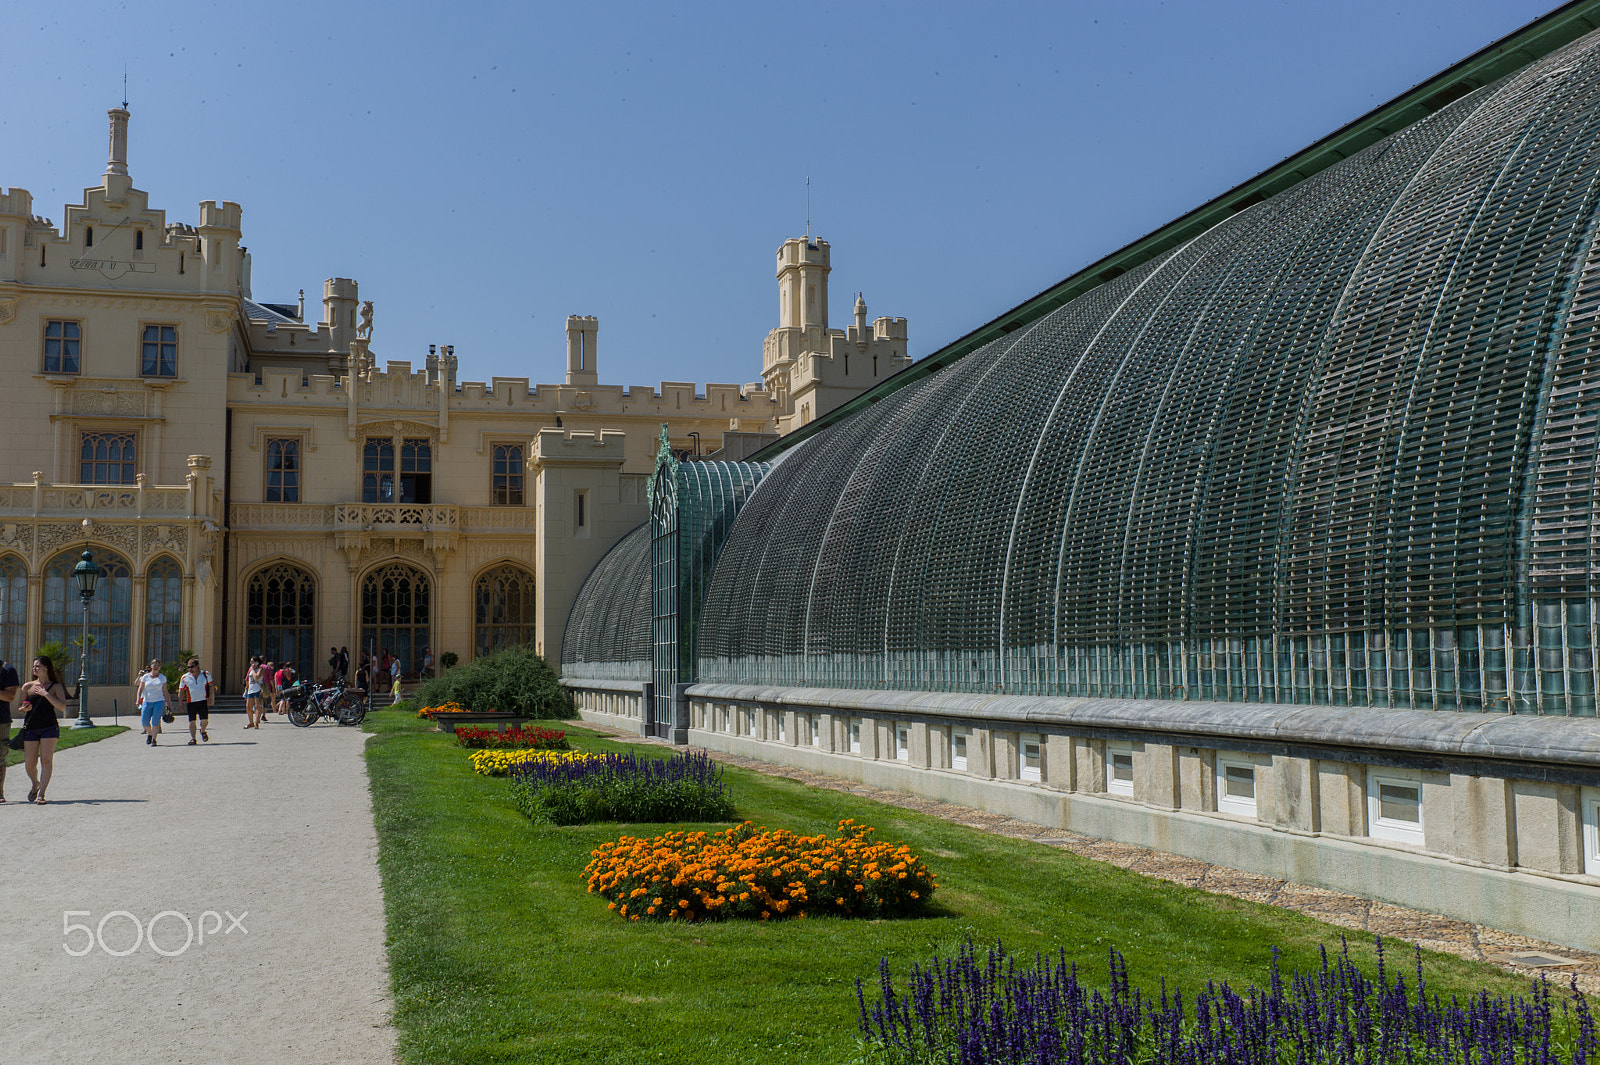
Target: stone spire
[{"x": 117, "y": 181}]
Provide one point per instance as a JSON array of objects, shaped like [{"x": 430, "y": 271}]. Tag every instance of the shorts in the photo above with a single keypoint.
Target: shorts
[
  {"x": 30, "y": 735},
  {"x": 252, "y": 693},
  {"x": 200, "y": 710},
  {"x": 151, "y": 713}
]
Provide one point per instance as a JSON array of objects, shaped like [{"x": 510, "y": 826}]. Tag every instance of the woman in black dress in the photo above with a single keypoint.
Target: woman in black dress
[{"x": 46, "y": 699}]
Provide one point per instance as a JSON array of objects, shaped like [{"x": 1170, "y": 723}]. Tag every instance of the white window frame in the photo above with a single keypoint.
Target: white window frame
[
  {"x": 1392, "y": 829},
  {"x": 1589, "y": 804},
  {"x": 853, "y": 741},
  {"x": 750, "y": 721},
  {"x": 725, "y": 719},
  {"x": 902, "y": 742},
  {"x": 1034, "y": 772},
  {"x": 1236, "y": 804},
  {"x": 960, "y": 741},
  {"x": 815, "y": 729},
  {"x": 1113, "y": 785},
  {"x": 783, "y": 733}
]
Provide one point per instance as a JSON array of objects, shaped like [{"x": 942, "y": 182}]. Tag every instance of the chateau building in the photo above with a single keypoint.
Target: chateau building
[{"x": 256, "y": 483}]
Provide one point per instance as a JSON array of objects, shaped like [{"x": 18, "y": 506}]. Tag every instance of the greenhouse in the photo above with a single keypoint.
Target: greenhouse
[{"x": 1220, "y": 529}]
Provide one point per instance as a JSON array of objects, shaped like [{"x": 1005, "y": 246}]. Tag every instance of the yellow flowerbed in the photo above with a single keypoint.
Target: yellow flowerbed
[
  {"x": 493, "y": 763},
  {"x": 742, "y": 872},
  {"x": 442, "y": 708}
]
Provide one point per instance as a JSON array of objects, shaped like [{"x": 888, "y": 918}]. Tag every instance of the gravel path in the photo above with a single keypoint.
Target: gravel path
[{"x": 261, "y": 839}]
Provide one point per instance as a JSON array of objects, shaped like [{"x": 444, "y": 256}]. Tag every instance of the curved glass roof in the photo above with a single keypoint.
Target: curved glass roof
[
  {"x": 1338, "y": 448},
  {"x": 608, "y": 632}
]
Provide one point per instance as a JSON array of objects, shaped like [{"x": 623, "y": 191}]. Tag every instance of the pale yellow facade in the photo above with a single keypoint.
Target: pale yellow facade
[{"x": 259, "y": 483}]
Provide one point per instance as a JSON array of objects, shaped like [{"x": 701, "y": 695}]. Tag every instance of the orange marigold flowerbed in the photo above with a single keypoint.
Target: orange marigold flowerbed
[{"x": 745, "y": 872}]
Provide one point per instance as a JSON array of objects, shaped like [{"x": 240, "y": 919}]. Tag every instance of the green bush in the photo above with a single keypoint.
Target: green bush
[{"x": 513, "y": 681}]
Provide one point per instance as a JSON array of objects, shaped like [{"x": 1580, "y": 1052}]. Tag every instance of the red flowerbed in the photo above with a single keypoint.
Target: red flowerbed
[{"x": 532, "y": 738}]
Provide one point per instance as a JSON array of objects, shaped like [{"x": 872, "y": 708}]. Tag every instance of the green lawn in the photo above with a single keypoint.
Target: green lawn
[
  {"x": 498, "y": 954},
  {"x": 70, "y": 737}
]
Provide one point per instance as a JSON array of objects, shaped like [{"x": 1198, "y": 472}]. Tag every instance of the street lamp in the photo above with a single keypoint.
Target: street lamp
[{"x": 87, "y": 575}]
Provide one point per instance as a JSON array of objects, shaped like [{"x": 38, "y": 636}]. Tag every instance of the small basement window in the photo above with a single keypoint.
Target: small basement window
[
  {"x": 1236, "y": 786},
  {"x": 1119, "y": 768},
  {"x": 782, "y": 735},
  {"x": 1394, "y": 806},
  {"x": 1591, "y": 831},
  {"x": 958, "y": 748},
  {"x": 749, "y": 722},
  {"x": 815, "y": 730},
  {"x": 902, "y": 743},
  {"x": 855, "y": 735},
  {"x": 1032, "y": 751}
]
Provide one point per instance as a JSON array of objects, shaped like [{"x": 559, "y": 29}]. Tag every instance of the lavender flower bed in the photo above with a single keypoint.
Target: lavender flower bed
[
  {"x": 623, "y": 787},
  {"x": 962, "y": 1011}
]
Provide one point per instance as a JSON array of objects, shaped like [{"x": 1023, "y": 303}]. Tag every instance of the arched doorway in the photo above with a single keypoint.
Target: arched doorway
[
  {"x": 281, "y": 616},
  {"x": 503, "y": 609},
  {"x": 14, "y": 612},
  {"x": 110, "y": 615},
  {"x": 163, "y": 610},
  {"x": 396, "y": 612}
]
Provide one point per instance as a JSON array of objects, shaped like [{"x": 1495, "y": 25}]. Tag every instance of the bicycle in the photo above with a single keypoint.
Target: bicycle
[{"x": 342, "y": 705}]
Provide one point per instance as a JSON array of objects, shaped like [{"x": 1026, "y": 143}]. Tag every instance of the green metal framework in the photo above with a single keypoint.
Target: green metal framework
[
  {"x": 1337, "y": 447},
  {"x": 692, "y": 511}
]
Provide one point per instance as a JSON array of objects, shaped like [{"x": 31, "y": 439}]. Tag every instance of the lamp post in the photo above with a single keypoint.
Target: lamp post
[{"x": 87, "y": 575}]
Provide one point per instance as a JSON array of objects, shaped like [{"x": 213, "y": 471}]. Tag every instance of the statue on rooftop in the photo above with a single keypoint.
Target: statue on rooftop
[{"x": 364, "y": 330}]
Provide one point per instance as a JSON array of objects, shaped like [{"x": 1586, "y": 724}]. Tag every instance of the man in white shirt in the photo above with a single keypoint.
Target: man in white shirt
[{"x": 195, "y": 687}]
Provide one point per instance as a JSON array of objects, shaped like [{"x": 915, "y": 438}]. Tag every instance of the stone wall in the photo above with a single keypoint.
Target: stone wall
[{"x": 1487, "y": 818}]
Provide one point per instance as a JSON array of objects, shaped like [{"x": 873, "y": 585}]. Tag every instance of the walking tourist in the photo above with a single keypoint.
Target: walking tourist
[
  {"x": 150, "y": 696},
  {"x": 344, "y": 663},
  {"x": 281, "y": 680},
  {"x": 9, "y": 681},
  {"x": 364, "y": 676},
  {"x": 41, "y": 725},
  {"x": 427, "y": 661},
  {"x": 253, "y": 682},
  {"x": 333, "y": 665},
  {"x": 195, "y": 687},
  {"x": 394, "y": 674},
  {"x": 269, "y": 690}
]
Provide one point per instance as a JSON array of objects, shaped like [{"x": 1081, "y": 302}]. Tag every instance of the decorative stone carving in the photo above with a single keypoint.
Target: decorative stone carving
[
  {"x": 173, "y": 538},
  {"x": 8, "y": 311},
  {"x": 410, "y": 550},
  {"x": 18, "y": 537},
  {"x": 218, "y": 319},
  {"x": 122, "y": 403},
  {"x": 57, "y": 536}
]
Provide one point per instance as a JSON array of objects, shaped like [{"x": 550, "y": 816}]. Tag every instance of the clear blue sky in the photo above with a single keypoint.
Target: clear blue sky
[{"x": 486, "y": 169}]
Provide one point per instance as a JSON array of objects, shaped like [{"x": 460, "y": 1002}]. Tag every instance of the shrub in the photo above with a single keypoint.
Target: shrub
[
  {"x": 623, "y": 787},
  {"x": 531, "y": 738},
  {"x": 742, "y": 872},
  {"x": 448, "y": 660},
  {"x": 996, "y": 1013},
  {"x": 499, "y": 763},
  {"x": 514, "y": 680}
]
